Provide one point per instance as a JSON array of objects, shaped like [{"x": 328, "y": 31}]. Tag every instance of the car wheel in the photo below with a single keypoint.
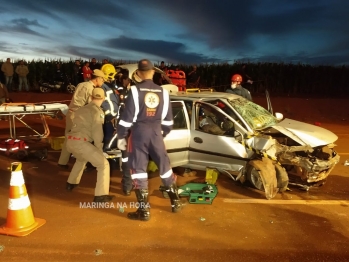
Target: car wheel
[
  {"x": 70, "y": 88},
  {"x": 44, "y": 89},
  {"x": 281, "y": 177},
  {"x": 253, "y": 175}
]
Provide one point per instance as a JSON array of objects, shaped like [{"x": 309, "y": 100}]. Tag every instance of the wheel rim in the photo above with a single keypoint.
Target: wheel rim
[
  {"x": 71, "y": 88},
  {"x": 44, "y": 89},
  {"x": 256, "y": 180}
]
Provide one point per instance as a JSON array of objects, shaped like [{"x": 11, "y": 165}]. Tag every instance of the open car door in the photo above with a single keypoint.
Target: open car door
[
  {"x": 218, "y": 145},
  {"x": 177, "y": 141}
]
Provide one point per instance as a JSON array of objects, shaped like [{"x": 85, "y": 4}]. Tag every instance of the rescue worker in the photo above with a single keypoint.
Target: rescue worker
[
  {"x": 123, "y": 89},
  {"x": 237, "y": 89},
  {"x": 87, "y": 128},
  {"x": 148, "y": 114},
  {"x": 81, "y": 97},
  {"x": 112, "y": 108}
]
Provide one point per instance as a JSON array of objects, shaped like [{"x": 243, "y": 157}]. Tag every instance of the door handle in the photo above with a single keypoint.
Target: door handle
[{"x": 198, "y": 140}]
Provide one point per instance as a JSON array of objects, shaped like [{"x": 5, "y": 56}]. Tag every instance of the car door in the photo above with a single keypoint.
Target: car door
[
  {"x": 177, "y": 141},
  {"x": 222, "y": 148}
]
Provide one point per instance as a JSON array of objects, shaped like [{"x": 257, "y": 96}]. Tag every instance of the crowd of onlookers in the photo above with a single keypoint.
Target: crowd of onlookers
[{"x": 278, "y": 78}]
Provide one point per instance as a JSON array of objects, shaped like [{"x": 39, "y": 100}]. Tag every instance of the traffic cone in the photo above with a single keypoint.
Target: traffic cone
[{"x": 20, "y": 219}]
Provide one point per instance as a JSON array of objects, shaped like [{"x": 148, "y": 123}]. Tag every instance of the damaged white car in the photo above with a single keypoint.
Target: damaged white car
[{"x": 246, "y": 141}]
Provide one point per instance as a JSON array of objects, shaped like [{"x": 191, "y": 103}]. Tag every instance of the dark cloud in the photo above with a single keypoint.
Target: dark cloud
[
  {"x": 23, "y": 22},
  {"x": 170, "y": 51},
  {"x": 298, "y": 30},
  {"x": 21, "y": 29}
]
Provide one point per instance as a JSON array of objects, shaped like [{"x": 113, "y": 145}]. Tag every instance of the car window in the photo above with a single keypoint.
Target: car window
[
  {"x": 189, "y": 107},
  {"x": 228, "y": 110},
  {"x": 211, "y": 121},
  {"x": 179, "y": 121},
  {"x": 256, "y": 116}
]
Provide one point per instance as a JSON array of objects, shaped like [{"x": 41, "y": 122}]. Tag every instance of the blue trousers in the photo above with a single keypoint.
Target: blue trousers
[{"x": 145, "y": 143}]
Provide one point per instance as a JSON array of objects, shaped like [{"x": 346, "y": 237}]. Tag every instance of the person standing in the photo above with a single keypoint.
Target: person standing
[
  {"x": 22, "y": 71},
  {"x": 7, "y": 68},
  {"x": 94, "y": 65},
  {"x": 77, "y": 73},
  {"x": 86, "y": 72},
  {"x": 87, "y": 128},
  {"x": 237, "y": 89},
  {"x": 110, "y": 107},
  {"x": 148, "y": 114},
  {"x": 193, "y": 78},
  {"x": 81, "y": 97},
  {"x": 123, "y": 88},
  {"x": 4, "y": 97}
]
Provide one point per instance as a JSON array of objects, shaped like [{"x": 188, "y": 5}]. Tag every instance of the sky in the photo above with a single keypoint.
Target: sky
[{"x": 314, "y": 32}]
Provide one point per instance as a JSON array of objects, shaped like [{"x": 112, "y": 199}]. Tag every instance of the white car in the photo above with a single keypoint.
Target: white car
[{"x": 245, "y": 141}]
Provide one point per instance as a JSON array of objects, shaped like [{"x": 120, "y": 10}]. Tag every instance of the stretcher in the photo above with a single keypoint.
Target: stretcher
[{"x": 18, "y": 111}]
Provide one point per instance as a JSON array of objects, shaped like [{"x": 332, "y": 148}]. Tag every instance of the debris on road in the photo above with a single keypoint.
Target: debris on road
[{"x": 98, "y": 252}]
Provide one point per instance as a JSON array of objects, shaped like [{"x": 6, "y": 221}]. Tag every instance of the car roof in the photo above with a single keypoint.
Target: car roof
[{"x": 202, "y": 95}]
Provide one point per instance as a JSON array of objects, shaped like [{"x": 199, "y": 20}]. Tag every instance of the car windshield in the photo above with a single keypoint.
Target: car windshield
[{"x": 256, "y": 116}]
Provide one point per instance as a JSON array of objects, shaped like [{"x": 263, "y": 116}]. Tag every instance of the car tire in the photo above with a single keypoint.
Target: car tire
[
  {"x": 71, "y": 88},
  {"x": 281, "y": 177},
  {"x": 254, "y": 177},
  {"x": 44, "y": 89}
]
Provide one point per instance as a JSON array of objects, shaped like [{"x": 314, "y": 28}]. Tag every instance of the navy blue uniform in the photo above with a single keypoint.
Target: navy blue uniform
[
  {"x": 111, "y": 108},
  {"x": 148, "y": 114},
  {"x": 240, "y": 91}
]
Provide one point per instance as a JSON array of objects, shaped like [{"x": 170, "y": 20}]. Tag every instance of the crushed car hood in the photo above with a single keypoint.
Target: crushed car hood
[{"x": 305, "y": 134}]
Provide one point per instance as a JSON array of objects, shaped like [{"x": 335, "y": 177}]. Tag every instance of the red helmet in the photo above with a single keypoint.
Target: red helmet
[{"x": 236, "y": 78}]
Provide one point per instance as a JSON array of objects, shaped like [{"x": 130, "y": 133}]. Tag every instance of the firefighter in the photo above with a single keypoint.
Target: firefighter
[
  {"x": 237, "y": 89},
  {"x": 110, "y": 107},
  {"x": 87, "y": 127},
  {"x": 113, "y": 106},
  {"x": 148, "y": 114},
  {"x": 81, "y": 97}
]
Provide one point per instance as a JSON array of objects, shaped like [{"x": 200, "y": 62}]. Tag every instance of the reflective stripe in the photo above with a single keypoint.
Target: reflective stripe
[
  {"x": 125, "y": 124},
  {"x": 166, "y": 102},
  {"x": 167, "y": 174},
  {"x": 110, "y": 102},
  {"x": 18, "y": 203},
  {"x": 139, "y": 176},
  {"x": 135, "y": 101},
  {"x": 150, "y": 90},
  {"x": 167, "y": 123},
  {"x": 124, "y": 159},
  {"x": 17, "y": 178},
  {"x": 112, "y": 140}
]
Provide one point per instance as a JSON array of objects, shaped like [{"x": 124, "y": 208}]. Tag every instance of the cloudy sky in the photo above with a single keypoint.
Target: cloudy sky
[{"x": 181, "y": 31}]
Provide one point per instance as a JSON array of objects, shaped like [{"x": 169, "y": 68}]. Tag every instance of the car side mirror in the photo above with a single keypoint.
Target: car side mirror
[{"x": 279, "y": 116}]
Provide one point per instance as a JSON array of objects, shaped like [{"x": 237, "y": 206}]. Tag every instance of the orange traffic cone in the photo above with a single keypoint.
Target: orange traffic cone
[{"x": 20, "y": 219}]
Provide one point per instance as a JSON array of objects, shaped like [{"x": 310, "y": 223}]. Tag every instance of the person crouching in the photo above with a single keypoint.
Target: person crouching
[{"x": 87, "y": 128}]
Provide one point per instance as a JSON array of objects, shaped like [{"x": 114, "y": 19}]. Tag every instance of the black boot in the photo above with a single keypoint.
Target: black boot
[
  {"x": 142, "y": 212},
  {"x": 176, "y": 203}
]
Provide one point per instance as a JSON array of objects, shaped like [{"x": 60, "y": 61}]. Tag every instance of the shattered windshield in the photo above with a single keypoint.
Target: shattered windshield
[{"x": 256, "y": 116}]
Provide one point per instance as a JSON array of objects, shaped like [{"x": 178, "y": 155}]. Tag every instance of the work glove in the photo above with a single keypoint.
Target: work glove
[{"x": 122, "y": 144}]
